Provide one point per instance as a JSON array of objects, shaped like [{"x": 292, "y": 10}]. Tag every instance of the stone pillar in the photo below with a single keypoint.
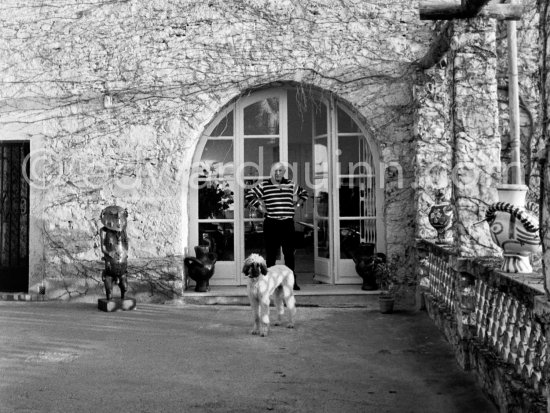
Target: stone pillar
[
  {"x": 476, "y": 166},
  {"x": 433, "y": 137}
]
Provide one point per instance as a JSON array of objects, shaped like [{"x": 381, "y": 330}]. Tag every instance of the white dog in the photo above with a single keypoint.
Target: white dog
[{"x": 264, "y": 282}]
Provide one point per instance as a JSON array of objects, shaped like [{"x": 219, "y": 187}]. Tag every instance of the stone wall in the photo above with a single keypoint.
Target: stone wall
[
  {"x": 438, "y": 107},
  {"x": 115, "y": 95}
]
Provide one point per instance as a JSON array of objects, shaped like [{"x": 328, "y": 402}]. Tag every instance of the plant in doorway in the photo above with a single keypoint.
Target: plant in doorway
[
  {"x": 215, "y": 193},
  {"x": 386, "y": 276}
]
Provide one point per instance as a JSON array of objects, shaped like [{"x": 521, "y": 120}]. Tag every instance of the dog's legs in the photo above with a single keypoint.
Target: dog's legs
[
  {"x": 290, "y": 302},
  {"x": 279, "y": 305},
  {"x": 264, "y": 316},
  {"x": 255, "y": 306}
]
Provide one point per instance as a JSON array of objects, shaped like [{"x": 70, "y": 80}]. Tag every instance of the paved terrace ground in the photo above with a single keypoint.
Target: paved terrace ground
[{"x": 70, "y": 357}]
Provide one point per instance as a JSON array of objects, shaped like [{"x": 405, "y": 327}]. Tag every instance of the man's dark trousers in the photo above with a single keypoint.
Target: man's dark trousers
[{"x": 279, "y": 233}]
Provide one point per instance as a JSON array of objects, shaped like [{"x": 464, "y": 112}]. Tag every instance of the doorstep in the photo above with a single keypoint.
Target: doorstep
[
  {"x": 310, "y": 295},
  {"x": 22, "y": 297}
]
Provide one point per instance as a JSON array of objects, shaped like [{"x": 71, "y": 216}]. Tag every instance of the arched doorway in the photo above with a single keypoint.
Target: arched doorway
[{"x": 327, "y": 152}]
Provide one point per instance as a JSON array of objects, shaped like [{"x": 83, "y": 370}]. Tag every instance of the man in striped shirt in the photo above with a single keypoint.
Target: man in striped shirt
[{"x": 277, "y": 198}]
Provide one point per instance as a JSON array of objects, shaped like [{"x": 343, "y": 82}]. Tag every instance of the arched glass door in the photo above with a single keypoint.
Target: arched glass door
[
  {"x": 212, "y": 202},
  {"x": 357, "y": 204},
  {"x": 235, "y": 153},
  {"x": 328, "y": 154}
]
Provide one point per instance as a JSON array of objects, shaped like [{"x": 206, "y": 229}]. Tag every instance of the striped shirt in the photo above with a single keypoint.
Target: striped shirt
[{"x": 278, "y": 198}]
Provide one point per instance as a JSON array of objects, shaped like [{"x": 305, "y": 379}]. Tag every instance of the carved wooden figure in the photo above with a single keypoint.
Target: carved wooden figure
[{"x": 114, "y": 245}]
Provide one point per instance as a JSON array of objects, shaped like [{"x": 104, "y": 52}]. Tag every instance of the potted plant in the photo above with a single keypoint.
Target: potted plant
[{"x": 386, "y": 276}]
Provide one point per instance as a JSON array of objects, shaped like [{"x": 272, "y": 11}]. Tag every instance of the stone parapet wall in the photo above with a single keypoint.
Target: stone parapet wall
[
  {"x": 503, "y": 387},
  {"x": 496, "y": 322}
]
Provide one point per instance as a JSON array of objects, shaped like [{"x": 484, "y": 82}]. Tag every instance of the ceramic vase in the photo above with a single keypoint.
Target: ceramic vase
[
  {"x": 366, "y": 265},
  {"x": 440, "y": 217},
  {"x": 201, "y": 268}
]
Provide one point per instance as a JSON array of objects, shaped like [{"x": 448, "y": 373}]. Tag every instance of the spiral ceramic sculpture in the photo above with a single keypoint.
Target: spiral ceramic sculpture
[{"x": 515, "y": 229}]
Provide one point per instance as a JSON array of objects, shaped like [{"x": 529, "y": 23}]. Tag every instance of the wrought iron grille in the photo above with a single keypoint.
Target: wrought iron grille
[{"x": 14, "y": 217}]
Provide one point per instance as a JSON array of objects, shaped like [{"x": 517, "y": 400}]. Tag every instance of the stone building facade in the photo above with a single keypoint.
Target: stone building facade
[{"x": 117, "y": 99}]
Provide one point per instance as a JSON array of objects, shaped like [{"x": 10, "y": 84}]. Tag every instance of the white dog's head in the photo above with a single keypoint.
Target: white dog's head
[{"x": 254, "y": 265}]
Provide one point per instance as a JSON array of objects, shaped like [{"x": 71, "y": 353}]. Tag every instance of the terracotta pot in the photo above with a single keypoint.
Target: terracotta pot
[
  {"x": 514, "y": 227},
  {"x": 386, "y": 304}
]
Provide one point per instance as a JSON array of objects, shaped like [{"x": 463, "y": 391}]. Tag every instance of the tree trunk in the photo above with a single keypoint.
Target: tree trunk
[
  {"x": 438, "y": 49},
  {"x": 545, "y": 170}
]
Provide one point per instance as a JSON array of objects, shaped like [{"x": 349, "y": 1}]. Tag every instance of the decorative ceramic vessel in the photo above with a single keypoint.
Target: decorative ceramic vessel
[
  {"x": 440, "y": 217},
  {"x": 201, "y": 268},
  {"x": 514, "y": 226},
  {"x": 365, "y": 265}
]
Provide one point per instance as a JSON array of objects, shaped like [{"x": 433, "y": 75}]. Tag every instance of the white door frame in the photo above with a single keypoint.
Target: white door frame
[{"x": 324, "y": 267}]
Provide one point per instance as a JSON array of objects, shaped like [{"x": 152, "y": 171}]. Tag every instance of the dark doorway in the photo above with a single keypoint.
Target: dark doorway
[{"x": 14, "y": 217}]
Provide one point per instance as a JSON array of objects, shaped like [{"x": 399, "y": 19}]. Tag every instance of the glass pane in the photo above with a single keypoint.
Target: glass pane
[
  {"x": 356, "y": 197},
  {"x": 350, "y": 198},
  {"x": 320, "y": 119},
  {"x": 216, "y": 198},
  {"x": 321, "y": 202},
  {"x": 260, "y": 154},
  {"x": 217, "y": 158},
  {"x": 262, "y": 118},
  {"x": 354, "y": 157},
  {"x": 321, "y": 157},
  {"x": 355, "y": 232},
  {"x": 320, "y": 181},
  {"x": 346, "y": 123},
  {"x": 254, "y": 238},
  {"x": 214, "y": 177},
  {"x": 224, "y": 127},
  {"x": 219, "y": 237},
  {"x": 323, "y": 242}
]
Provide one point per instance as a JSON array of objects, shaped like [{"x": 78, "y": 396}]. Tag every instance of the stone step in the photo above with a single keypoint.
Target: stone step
[
  {"x": 22, "y": 297},
  {"x": 310, "y": 295}
]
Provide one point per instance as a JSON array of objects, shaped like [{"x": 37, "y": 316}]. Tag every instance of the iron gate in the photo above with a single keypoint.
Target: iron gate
[{"x": 14, "y": 217}]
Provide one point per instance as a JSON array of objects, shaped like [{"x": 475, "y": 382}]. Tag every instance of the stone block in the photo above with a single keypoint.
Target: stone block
[
  {"x": 116, "y": 304},
  {"x": 420, "y": 301}
]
